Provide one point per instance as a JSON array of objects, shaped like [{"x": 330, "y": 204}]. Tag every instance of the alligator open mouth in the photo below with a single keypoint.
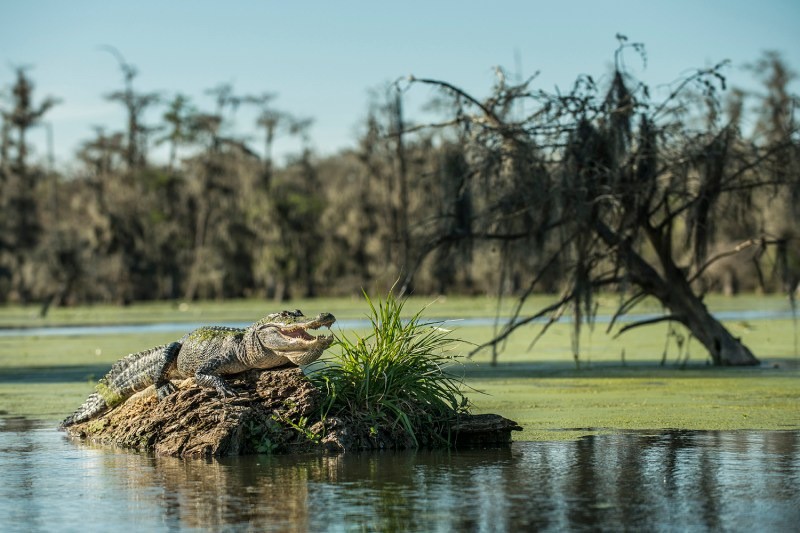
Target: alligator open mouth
[
  {"x": 297, "y": 334},
  {"x": 301, "y": 330},
  {"x": 302, "y": 334}
]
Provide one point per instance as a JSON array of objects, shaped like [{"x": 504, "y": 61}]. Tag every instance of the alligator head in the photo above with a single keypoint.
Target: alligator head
[{"x": 287, "y": 334}]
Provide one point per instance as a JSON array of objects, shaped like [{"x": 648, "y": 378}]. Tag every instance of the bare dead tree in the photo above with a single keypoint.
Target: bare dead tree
[{"x": 620, "y": 186}]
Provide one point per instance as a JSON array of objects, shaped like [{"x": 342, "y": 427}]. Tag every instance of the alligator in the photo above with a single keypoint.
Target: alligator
[{"x": 207, "y": 353}]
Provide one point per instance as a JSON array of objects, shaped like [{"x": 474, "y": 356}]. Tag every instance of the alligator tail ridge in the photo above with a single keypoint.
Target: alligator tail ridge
[
  {"x": 130, "y": 374},
  {"x": 93, "y": 405}
]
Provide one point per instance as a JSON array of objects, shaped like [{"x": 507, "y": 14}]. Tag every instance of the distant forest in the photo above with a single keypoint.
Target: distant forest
[{"x": 479, "y": 202}]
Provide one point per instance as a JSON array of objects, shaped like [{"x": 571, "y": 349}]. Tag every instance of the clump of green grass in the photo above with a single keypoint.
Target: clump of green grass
[{"x": 398, "y": 376}]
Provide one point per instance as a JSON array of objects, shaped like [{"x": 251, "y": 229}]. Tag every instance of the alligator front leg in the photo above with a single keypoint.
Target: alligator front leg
[
  {"x": 206, "y": 376},
  {"x": 169, "y": 356}
]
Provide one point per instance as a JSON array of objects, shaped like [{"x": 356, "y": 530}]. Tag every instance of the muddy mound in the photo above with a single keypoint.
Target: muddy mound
[{"x": 276, "y": 411}]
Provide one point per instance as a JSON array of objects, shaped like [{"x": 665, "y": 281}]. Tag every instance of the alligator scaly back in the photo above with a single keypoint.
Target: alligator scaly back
[{"x": 127, "y": 376}]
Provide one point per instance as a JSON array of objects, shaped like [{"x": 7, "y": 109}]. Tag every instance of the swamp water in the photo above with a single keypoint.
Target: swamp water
[
  {"x": 167, "y": 327},
  {"x": 661, "y": 481}
]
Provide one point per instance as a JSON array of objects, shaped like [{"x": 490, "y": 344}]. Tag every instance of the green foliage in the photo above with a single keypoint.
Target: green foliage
[
  {"x": 301, "y": 426},
  {"x": 398, "y": 376},
  {"x": 269, "y": 434},
  {"x": 258, "y": 437}
]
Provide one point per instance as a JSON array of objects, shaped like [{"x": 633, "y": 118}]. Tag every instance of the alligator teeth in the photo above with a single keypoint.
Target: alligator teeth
[
  {"x": 296, "y": 334},
  {"x": 300, "y": 333}
]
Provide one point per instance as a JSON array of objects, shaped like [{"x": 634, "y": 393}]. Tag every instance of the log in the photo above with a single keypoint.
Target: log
[
  {"x": 275, "y": 411},
  {"x": 486, "y": 430}
]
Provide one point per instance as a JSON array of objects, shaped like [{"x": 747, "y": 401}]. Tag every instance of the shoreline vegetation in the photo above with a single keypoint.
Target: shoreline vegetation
[
  {"x": 390, "y": 388},
  {"x": 620, "y": 385}
]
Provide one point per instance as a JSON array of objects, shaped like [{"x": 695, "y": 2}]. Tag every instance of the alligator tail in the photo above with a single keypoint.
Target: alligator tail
[
  {"x": 93, "y": 405},
  {"x": 127, "y": 376}
]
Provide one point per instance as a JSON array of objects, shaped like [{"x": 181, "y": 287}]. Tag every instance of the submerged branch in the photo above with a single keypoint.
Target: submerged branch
[
  {"x": 648, "y": 322},
  {"x": 626, "y": 306},
  {"x": 513, "y": 325}
]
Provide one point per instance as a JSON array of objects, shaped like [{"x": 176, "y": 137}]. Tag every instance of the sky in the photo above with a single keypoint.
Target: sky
[{"x": 323, "y": 59}]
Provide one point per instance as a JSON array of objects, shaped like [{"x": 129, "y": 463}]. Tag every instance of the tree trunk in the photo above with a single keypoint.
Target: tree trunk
[
  {"x": 677, "y": 295},
  {"x": 724, "y": 348},
  {"x": 674, "y": 292}
]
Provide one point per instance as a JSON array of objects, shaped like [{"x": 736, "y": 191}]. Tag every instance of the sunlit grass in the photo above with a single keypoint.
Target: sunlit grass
[{"x": 397, "y": 375}]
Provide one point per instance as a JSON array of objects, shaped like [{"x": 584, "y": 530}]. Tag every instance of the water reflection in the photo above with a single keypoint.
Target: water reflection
[{"x": 667, "y": 481}]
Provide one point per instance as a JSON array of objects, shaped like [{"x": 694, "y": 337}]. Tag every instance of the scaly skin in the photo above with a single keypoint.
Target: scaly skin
[{"x": 206, "y": 354}]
